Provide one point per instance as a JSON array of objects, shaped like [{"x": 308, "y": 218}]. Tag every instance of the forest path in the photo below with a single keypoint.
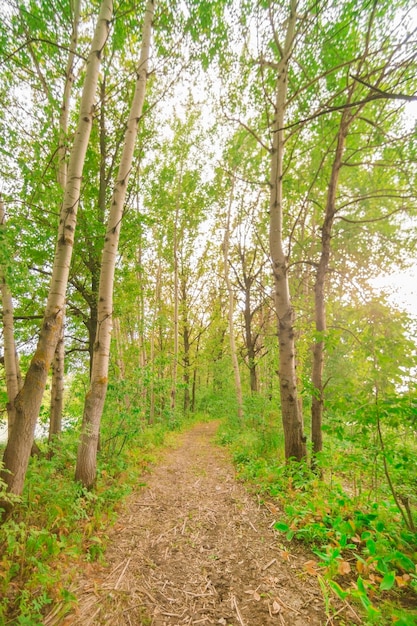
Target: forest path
[{"x": 194, "y": 547}]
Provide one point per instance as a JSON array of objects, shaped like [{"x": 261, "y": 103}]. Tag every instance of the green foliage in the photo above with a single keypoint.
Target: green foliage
[
  {"x": 364, "y": 553},
  {"x": 175, "y": 200},
  {"x": 57, "y": 524}
]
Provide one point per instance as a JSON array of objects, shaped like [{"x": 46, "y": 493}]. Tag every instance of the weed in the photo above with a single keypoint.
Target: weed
[{"x": 365, "y": 554}]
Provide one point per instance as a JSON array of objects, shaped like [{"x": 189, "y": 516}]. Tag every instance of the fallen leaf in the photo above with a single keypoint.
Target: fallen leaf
[
  {"x": 256, "y": 596},
  {"x": 375, "y": 579},
  {"x": 276, "y": 607},
  {"x": 311, "y": 567},
  {"x": 403, "y": 580},
  {"x": 272, "y": 508},
  {"x": 344, "y": 567}
]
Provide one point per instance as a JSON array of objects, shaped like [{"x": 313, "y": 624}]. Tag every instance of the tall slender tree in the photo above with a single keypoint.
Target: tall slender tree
[
  {"x": 11, "y": 362},
  {"x": 231, "y": 305},
  {"x": 94, "y": 402},
  {"x": 57, "y": 384},
  {"x": 28, "y": 401},
  {"x": 292, "y": 418},
  {"x": 358, "y": 115}
]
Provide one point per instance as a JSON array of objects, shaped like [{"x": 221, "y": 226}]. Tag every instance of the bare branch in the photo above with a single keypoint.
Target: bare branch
[
  {"x": 250, "y": 131},
  {"x": 28, "y": 42},
  {"x": 375, "y": 219},
  {"x": 384, "y": 94}
]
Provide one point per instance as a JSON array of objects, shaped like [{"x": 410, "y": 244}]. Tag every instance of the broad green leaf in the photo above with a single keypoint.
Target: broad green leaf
[
  {"x": 282, "y": 527},
  {"x": 388, "y": 581}
]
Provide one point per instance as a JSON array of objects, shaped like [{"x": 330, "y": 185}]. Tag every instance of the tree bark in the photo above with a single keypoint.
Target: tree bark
[
  {"x": 176, "y": 297},
  {"x": 319, "y": 290},
  {"x": 152, "y": 351},
  {"x": 57, "y": 389},
  {"x": 28, "y": 401},
  {"x": 66, "y": 100},
  {"x": 57, "y": 385},
  {"x": 230, "y": 312},
  {"x": 94, "y": 403},
  {"x": 186, "y": 342},
  {"x": 292, "y": 418},
  {"x": 246, "y": 283},
  {"x": 11, "y": 364}
]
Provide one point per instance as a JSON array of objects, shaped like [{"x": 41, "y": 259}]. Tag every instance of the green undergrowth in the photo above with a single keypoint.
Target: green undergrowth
[
  {"x": 364, "y": 554},
  {"x": 57, "y": 523}
]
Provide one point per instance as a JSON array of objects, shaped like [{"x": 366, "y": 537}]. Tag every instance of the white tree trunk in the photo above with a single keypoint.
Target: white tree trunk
[
  {"x": 28, "y": 401},
  {"x": 230, "y": 312},
  {"x": 94, "y": 402},
  {"x": 11, "y": 366},
  {"x": 155, "y": 322},
  {"x": 65, "y": 106},
  {"x": 176, "y": 297},
  {"x": 57, "y": 386}
]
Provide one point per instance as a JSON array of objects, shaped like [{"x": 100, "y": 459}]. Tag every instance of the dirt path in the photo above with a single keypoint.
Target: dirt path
[{"x": 194, "y": 547}]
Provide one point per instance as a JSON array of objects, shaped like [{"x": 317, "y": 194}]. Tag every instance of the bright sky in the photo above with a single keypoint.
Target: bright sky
[{"x": 403, "y": 287}]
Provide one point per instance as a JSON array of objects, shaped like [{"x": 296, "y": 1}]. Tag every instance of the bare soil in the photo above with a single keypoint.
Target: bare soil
[{"x": 195, "y": 547}]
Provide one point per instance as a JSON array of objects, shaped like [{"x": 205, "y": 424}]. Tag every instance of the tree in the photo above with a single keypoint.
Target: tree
[
  {"x": 28, "y": 401},
  {"x": 292, "y": 418},
  {"x": 85, "y": 470},
  {"x": 57, "y": 384},
  {"x": 11, "y": 362},
  {"x": 231, "y": 307},
  {"x": 359, "y": 117}
]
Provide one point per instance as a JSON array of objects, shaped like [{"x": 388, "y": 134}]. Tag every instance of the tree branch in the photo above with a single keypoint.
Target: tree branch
[
  {"x": 384, "y": 94},
  {"x": 28, "y": 42}
]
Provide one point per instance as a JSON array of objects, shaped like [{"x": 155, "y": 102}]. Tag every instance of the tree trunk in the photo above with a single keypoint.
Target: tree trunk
[
  {"x": 292, "y": 418},
  {"x": 58, "y": 367},
  {"x": 323, "y": 267},
  {"x": 319, "y": 288},
  {"x": 251, "y": 337},
  {"x": 194, "y": 385},
  {"x": 120, "y": 363},
  {"x": 185, "y": 343},
  {"x": 176, "y": 299},
  {"x": 231, "y": 306},
  {"x": 156, "y": 315},
  {"x": 140, "y": 311},
  {"x": 66, "y": 100},
  {"x": 121, "y": 375},
  {"x": 11, "y": 364},
  {"x": 57, "y": 389},
  {"x": 94, "y": 403},
  {"x": 28, "y": 401}
]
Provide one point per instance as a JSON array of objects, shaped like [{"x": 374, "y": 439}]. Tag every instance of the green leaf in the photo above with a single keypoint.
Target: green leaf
[
  {"x": 338, "y": 590},
  {"x": 404, "y": 561},
  {"x": 388, "y": 581},
  {"x": 361, "y": 585},
  {"x": 371, "y": 546},
  {"x": 282, "y": 527}
]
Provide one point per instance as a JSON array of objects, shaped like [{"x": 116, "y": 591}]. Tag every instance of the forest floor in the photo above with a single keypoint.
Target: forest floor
[{"x": 194, "y": 546}]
